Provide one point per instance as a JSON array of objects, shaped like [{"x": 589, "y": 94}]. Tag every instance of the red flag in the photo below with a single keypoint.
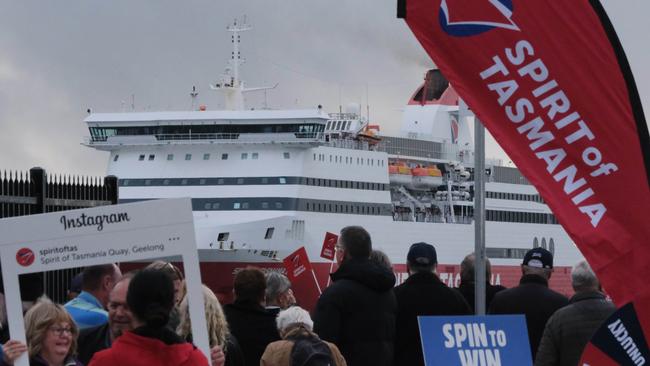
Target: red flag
[
  {"x": 297, "y": 264},
  {"x": 329, "y": 244},
  {"x": 550, "y": 81}
]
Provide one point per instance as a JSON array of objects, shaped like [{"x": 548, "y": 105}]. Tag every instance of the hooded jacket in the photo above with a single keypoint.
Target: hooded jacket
[
  {"x": 357, "y": 313},
  {"x": 254, "y": 328},
  {"x": 146, "y": 349}
]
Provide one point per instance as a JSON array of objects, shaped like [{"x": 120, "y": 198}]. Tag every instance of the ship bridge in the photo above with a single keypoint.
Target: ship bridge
[{"x": 109, "y": 131}]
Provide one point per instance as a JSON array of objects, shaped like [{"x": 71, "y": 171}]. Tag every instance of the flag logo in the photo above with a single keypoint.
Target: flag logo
[
  {"x": 464, "y": 18},
  {"x": 25, "y": 257}
]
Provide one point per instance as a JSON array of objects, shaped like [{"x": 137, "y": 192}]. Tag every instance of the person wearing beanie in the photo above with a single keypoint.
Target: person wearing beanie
[
  {"x": 423, "y": 293},
  {"x": 150, "y": 298},
  {"x": 532, "y": 297}
]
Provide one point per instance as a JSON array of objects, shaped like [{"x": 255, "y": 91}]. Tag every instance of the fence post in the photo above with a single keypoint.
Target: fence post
[
  {"x": 38, "y": 183},
  {"x": 110, "y": 182}
]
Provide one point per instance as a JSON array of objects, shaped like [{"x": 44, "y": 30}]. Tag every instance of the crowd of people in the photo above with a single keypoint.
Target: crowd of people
[{"x": 362, "y": 318}]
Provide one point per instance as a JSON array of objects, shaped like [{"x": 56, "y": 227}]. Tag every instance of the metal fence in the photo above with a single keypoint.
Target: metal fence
[{"x": 34, "y": 192}]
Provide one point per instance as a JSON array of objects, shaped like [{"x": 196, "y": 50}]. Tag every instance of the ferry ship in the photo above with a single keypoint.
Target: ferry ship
[{"x": 266, "y": 182}]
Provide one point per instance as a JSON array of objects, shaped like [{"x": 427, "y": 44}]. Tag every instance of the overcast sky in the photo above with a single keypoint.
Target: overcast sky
[{"x": 58, "y": 58}]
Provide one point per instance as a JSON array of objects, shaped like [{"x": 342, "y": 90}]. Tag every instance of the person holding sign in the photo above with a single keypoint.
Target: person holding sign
[
  {"x": 357, "y": 311},
  {"x": 150, "y": 298},
  {"x": 51, "y": 337}
]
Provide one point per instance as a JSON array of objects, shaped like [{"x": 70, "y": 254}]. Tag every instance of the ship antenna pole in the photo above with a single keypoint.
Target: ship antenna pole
[{"x": 479, "y": 217}]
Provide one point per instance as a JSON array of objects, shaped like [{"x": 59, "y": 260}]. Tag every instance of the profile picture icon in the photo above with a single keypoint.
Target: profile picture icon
[{"x": 25, "y": 257}]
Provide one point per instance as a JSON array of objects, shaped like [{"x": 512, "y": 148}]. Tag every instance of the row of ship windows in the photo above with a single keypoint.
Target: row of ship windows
[
  {"x": 352, "y": 208},
  {"x": 338, "y": 125},
  {"x": 206, "y": 156},
  {"x": 318, "y": 182},
  {"x": 349, "y": 160},
  {"x": 518, "y": 216},
  {"x": 514, "y": 196}
]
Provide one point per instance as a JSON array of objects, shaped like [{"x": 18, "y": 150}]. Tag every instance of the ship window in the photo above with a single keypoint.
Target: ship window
[
  {"x": 141, "y": 157},
  {"x": 244, "y": 156},
  {"x": 170, "y": 156},
  {"x": 223, "y": 236},
  {"x": 216, "y": 206},
  {"x": 184, "y": 182},
  {"x": 207, "y": 206},
  {"x": 265, "y": 205},
  {"x": 116, "y": 157},
  {"x": 188, "y": 156},
  {"x": 286, "y": 155},
  {"x": 314, "y": 156},
  {"x": 329, "y": 123},
  {"x": 348, "y": 126},
  {"x": 166, "y": 182},
  {"x": 245, "y": 205},
  {"x": 147, "y": 182},
  {"x": 254, "y": 156},
  {"x": 220, "y": 181},
  {"x": 206, "y": 156},
  {"x": 236, "y": 205},
  {"x": 329, "y": 208},
  {"x": 240, "y": 180},
  {"x": 330, "y": 158},
  {"x": 338, "y": 125},
  {"x": 202, "y": 181},
  {"x": 278, "y": 205},
  {"x": 283, "y": 180},
  {"x": 265, "y": 180},
  {"x": 224, "y": 156},
  {"x": 125, "y": 182},
  {"x": 269, "y": 233}
]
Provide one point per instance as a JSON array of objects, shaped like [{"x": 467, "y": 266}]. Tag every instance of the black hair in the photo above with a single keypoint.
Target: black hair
[
  {"x": 356, "y": 242},
  {"x": 92, "y": 276},
  {"x": 250, "y": 285},
  {"x": 151, "y": 297}
]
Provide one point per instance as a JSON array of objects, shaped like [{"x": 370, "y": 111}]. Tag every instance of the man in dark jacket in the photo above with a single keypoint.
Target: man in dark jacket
[
  {"x": 357, "y": 312},
  {"x": 421, "y": 294},
  {"x": 569, "y": 330},
  {"x": 251, "y": 324},
  {"x": 466, "y": 287},
  {"x": 532, "y": 297},
  {"x": 95, "y": 339}
]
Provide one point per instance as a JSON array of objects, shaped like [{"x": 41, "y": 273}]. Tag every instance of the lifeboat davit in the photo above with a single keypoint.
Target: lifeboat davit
[
  {"x": 400, "y": 175},
  {"x": 426, "y": 178}
]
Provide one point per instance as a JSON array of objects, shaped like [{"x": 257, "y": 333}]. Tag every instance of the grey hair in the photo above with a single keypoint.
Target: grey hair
[
  {"x": 276, "y": 285},
  {"x": 381, "y": 258},
  {"x": 293, "y": 316},
  {"x": 583, "y": 277}
]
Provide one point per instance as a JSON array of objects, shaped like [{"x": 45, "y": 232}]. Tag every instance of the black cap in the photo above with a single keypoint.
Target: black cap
[
  {"x": 423, "y": 254},
  {"x": 538, "y": 258}
]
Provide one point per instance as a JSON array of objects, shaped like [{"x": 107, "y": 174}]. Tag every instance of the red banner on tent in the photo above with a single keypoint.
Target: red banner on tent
[
  {"x": 550, "y": 81},
  {"x": 329, "y": 246}
]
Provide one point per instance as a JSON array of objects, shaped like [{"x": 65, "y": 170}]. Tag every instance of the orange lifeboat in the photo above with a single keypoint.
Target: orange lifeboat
[
  {"x": 399, "y": 175},
  {"x": 425, "y": 178}
]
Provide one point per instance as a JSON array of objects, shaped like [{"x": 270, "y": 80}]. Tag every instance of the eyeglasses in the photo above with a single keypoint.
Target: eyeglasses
[{"x": 60, "y": 331}]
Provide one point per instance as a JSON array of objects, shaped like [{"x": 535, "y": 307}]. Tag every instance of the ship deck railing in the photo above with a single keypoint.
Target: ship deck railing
[{"x": 310, "y": 138}]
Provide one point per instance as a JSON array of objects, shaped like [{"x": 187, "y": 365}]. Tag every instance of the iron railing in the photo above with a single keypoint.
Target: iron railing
[{"x": 34, "y": 192}]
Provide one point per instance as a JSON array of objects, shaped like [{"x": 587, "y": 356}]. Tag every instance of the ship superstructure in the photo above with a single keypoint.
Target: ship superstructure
[{"x": 265, "y": 182}]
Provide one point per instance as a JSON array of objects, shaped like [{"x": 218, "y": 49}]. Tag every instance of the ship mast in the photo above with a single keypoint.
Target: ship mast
[{"x": 230, "y": 85}]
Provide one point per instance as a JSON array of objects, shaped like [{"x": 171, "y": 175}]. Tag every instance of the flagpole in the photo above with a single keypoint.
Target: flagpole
[
  {"x": 479, "y": 217},
  {"x": 316, "y": 280},
  {"x": 329, "y": 278}
]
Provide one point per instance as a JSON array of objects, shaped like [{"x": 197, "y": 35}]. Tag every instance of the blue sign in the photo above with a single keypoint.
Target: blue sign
[{"x": 495, "y": 340}]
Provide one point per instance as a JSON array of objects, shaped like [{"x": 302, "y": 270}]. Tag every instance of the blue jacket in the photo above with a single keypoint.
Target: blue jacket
[{"x": 86, "y": 311}]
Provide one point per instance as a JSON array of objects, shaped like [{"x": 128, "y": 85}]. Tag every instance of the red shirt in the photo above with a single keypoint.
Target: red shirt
[{"x": 134, "y": 350}]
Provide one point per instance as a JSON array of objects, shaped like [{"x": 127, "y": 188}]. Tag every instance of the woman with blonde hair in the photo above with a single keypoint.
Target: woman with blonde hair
[
  {"x": 51, "y": 337},
  {"x": 218, "y": 331}
]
